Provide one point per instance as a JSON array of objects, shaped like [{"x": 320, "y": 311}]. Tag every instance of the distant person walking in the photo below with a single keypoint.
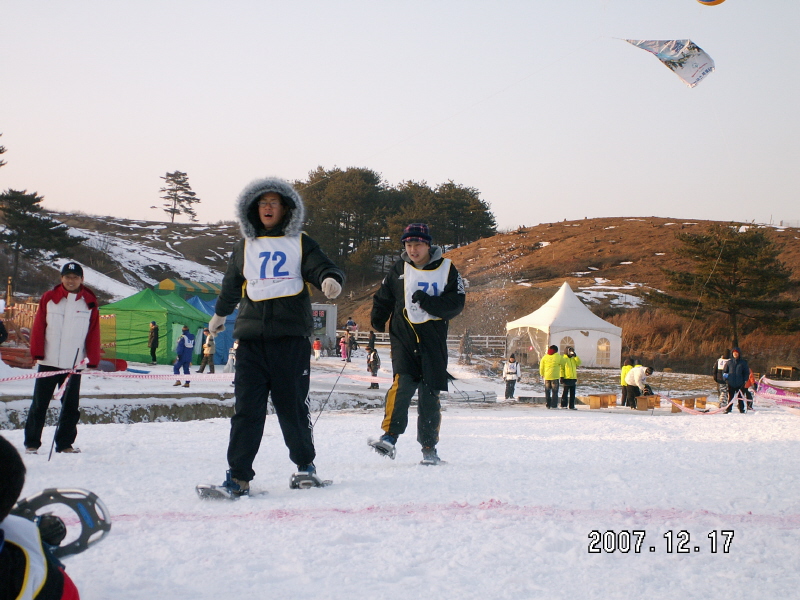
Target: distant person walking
[
  {"x": 569, "y": 377},
  {"x": 736, "y": 374},
  {"x": 550, "y": 370},
  {"x": 209, "y": 349},
  {"x": 152, "y": 342},
  {"x": 373, "y": 364},
  {"x": 511, "y": 374},
  {"x": 66, "y": 330},
  {"x": 184, "y": 351},
  {"x": 716, "y": 373},
  {"x": 317, "y": 347}
]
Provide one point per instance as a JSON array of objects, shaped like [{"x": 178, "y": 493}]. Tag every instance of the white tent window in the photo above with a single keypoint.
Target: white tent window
[
  {"x": 603, "y": 352},
  {"x": 564, "y": 343}
]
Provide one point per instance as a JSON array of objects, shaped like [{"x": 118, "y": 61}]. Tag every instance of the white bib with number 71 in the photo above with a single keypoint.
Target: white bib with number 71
[
  {"x": 432, "y": 282},
  {"x": 272, "y": 267}
]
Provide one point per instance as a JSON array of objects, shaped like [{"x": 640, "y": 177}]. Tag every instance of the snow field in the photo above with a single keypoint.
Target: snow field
[{"x": 509, "y": 516}]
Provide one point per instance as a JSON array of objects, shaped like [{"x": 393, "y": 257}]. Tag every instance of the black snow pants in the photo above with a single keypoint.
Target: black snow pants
[
  {"x": 429, "y": 409},
  {"x": 70, "y": 415},
  {"x": 280, "y": 366}
]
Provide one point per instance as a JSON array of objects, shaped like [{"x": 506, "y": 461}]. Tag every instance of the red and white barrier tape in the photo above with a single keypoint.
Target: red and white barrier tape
[{"x": 693, "y": 411}]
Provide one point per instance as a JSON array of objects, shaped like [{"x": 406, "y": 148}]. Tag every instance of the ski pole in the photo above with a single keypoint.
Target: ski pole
[
  {"x": 61, "y": 393},
  {"x": 321, "y": 408}
]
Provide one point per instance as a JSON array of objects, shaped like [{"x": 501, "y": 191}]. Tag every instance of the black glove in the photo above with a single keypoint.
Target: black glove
[
  {"x": 418, "y": 296},
  {"x": 51, "y": 528}
]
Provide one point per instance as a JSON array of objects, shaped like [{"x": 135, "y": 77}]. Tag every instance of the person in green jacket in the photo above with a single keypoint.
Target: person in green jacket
[
  {"x": 626, "y": 366},
  {"x": 569, "y": 376},
  {"x": 550, "y": 370}
]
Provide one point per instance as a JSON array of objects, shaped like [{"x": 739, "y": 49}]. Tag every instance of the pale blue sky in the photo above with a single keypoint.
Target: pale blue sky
[{"x": 539, "y": 105}]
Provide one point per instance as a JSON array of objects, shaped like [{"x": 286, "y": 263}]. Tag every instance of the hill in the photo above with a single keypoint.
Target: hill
[{"x": 607, "y": 261}]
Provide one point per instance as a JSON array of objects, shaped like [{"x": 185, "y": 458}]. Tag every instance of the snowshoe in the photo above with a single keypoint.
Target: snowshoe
[
  {"x": 384, "y": 446},
  {"x": 431, "y": 457},
  {"x": 231, "y": 489},
  {"x": 306, "y": 477}
]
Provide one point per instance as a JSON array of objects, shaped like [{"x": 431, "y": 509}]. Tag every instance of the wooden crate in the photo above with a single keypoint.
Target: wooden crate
[
  {"x": 675, "y": 409},
  {"x": 700, "y": 402},
  {"x": 688, "y": 402}
]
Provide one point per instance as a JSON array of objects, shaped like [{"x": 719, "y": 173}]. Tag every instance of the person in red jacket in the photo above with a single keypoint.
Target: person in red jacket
[
  {"x": 66, "y": 330},
  {"x": 27, "y": 569}
]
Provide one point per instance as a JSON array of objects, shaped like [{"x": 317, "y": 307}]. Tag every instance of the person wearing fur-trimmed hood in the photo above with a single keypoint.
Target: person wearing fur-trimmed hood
[{"x": 267, "y": 277}]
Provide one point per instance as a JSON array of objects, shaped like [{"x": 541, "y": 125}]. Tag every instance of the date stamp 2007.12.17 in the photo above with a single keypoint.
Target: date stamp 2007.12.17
[{"x": 636, "y": 541}]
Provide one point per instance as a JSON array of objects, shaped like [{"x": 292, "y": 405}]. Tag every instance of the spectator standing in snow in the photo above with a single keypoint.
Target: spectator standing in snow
[
  {"x": 184, "y": 350},
  {"x": 352, "y": 346},
  {"x": 550, "y": 370},
  {"x": 267, "y": 277},
  {"x": 636, "y": 380},
  {"x": 27, "y": 569},
  {"x": 66, "y": 330},
  {"x": 152, "y": 342},
  {"x": 418, "y": 297},
  {"x": 511, "y": 374},
  {"x": 736, "y": 373},
  {"x": 569, "y": 377},
  {"x": 623, "y": 372},
  {"x": 209, "y": 349},
  {"x": 718, "y": 370},
  {"x": 317, "y": 346},
  {"x": 343, "y": 344},
  {"x": 373, "y": 364}
]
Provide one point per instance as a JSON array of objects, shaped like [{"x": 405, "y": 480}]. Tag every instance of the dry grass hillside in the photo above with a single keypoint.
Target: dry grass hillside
[
  {"x": 603, "y": 260},
  {"x": 606, "y": 261}
]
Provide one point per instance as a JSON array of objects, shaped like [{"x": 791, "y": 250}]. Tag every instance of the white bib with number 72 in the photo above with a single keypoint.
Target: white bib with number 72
[
  {"x": 272, "y": 267},
  {"x": 432, "y": 282}
]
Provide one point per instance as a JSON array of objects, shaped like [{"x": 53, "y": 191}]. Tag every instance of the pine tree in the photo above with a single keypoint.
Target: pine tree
[
  {"x": 178, "y": 196},
  {"x": 29, "y": 233},
  {"x": 2, "y": 151},
  {"x": 737, "y": 273}
]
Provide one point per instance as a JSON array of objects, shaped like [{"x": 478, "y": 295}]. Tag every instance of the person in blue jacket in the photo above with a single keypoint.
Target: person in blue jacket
[
  {"x": 736, "y": 373},
  {"x": 184, "y": 351}
]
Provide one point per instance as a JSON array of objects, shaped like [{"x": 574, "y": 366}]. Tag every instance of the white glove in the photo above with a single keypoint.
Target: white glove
[
  {"x": 331, "y": 288},
  {"x": 216, "y": 324}
]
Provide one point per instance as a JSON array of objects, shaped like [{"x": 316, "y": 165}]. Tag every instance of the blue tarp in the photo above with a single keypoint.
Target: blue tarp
[{"x": 225, "y": 339}]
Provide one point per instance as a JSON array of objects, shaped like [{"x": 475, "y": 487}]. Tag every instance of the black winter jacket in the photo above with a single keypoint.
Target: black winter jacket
[
  {"x": 420, "y": 349},
  {"x": 279, "y": 317},
  {"x": 738, "y": 372}
]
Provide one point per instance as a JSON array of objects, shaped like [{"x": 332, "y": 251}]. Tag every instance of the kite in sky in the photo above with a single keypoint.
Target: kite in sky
[{"x": 685, "y": 58}]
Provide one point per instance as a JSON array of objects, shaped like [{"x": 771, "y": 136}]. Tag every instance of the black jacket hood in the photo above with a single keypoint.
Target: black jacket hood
[{"x": 249, "y": 223}]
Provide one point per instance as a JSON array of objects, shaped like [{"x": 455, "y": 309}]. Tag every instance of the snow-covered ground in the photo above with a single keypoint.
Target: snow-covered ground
[{"x": 510, "y": 515}]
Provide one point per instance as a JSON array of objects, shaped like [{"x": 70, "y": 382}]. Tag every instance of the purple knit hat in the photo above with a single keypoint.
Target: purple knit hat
[{"x": 416, "y": 232}]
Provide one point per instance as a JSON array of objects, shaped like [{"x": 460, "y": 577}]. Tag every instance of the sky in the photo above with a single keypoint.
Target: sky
[{"x": 541, "y": 107}]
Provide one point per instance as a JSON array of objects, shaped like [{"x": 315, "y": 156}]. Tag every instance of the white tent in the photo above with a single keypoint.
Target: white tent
[{"x": 565, "y": 321}]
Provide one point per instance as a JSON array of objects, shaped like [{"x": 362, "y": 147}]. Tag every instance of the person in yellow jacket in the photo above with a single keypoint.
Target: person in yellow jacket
[
  {"x": 569, "y": 376},
  {"x": 550, "y": 370},
  {"x": 623, "y": 372}
]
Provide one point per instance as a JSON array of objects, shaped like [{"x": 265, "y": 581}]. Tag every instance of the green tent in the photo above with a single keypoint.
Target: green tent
[{"x": 133, "y": 316}]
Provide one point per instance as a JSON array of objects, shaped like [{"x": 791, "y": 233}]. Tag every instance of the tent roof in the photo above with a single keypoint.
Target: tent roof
[
  {"x": 564, "y": 312},
  {"x": 185, "y": 285},
  {"x": 148, "y": 300}
]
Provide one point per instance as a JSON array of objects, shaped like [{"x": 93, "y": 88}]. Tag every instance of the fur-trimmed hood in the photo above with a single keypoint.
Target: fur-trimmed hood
[{"x": 249, "y": 223}]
